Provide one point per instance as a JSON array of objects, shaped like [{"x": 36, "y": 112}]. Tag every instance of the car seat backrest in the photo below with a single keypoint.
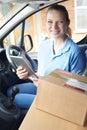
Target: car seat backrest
[
  {"x": 86, "y": 56},
  {"x": 85, "y": 72},
  {"x": 84, "y": 49},
  {"x": 83, "y": 45},
  {"x": 82, "y": 41}
]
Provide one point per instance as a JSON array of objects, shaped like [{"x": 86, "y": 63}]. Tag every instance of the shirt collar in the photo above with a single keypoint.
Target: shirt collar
[{"x": 65, "y": 48}]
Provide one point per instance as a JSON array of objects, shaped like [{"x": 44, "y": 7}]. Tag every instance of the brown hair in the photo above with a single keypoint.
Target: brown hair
[{"x": 65, "y": 13}]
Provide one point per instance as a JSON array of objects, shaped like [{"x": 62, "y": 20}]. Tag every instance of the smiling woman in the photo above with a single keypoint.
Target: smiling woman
[
  {"x": 57, "y": 52},
  {"x": 51, "y": 42}
]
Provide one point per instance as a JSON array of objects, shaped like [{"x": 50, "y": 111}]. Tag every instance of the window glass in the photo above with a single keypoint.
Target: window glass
[
  {"x": 8, "y": 10},
  {"x": 35, "y": 26},
  {"x": 14, "y": 37},
  {"x": 81, "y": 2},
  {"x": 81, "y": 16}
]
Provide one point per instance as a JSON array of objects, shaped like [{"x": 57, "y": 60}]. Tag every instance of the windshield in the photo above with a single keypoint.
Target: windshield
[{"x": 7, "y": 10}]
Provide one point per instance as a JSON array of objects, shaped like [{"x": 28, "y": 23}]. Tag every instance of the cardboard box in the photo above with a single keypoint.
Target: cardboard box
[
  {"x": 40, "y": 120},
  {"x": 56, "y": 95}
]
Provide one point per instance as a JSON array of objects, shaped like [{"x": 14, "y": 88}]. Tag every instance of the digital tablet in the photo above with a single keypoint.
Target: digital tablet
[{"x": 22, "y": 61}]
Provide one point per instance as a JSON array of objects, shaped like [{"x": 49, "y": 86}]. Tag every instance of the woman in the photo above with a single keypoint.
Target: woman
[{"x": 57, "y": 52}]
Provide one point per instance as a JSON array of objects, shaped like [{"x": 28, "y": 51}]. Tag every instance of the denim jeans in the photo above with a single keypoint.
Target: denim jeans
[{"x": 26, "y": 95}]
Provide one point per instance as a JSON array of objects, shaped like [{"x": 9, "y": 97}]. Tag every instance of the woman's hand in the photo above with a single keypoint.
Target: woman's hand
[
  {"x": 34, "y": 79},
  {"x": 22, "y": 73}
]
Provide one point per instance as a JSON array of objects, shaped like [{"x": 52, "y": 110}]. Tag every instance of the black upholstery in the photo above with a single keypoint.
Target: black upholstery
[
  {"x": 84, "y": 48},
  {"x": 82, "y": 41},
  {"x": 83, "y": 45}
]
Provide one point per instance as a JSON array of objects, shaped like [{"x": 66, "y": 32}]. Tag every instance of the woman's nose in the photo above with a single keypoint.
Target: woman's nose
[{"x": 55, "y": 25}]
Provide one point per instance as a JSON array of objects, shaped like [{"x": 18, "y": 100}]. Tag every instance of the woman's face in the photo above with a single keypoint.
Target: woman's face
[{"x": 56, "y": 24}]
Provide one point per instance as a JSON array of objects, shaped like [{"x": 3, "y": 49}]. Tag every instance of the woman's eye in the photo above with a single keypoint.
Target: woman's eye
[
  {"x": 50, "y": 22},
  {"x": 61, "y": 22}
]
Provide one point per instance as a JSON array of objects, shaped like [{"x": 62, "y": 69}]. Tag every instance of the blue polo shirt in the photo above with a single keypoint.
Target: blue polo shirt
[{"x": 69, "y": 58}]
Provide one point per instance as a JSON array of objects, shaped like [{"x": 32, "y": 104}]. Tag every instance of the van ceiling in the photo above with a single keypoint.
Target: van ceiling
[
  {"x": 20, "y": 1},
  {"x": 26, "y": 1}
]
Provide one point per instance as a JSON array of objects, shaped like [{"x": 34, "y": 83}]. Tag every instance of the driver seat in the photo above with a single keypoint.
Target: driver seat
[{"x": 83, "y": 45}]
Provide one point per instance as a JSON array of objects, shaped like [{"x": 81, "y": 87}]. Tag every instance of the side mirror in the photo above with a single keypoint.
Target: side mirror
[{"x": 28, "y": 44}]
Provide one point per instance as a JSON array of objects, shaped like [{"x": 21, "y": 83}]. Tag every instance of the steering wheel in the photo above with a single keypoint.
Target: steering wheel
[{"x": 15, "y": 51}]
